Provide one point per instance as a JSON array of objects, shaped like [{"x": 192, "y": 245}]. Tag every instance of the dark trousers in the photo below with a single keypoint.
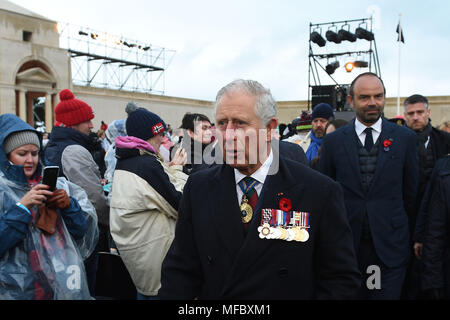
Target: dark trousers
[
  {"x": 411, "y": 287},
  {"x": 391, "y": 279}
]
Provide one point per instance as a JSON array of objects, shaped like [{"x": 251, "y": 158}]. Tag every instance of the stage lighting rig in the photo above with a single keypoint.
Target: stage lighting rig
[
  {"x": 363, "y": 33},
  {"x": 331, "y": 68},
  {"x": 346, "y": 34},
  {"x": 332, "y": 36},
  {"x": 349, "y": 66},
  {"x": 317, "y": 38},
  {"x": 341, "y": 54},
  {"x": 360, "y": 64}
]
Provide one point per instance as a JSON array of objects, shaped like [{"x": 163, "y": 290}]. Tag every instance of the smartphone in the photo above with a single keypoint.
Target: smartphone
[{"x": 50, "y": 176}]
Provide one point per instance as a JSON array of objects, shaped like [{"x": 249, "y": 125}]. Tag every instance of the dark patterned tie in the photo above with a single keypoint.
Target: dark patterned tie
[
  {"x": 252, "y": 195},
  {"x": 368, "y": 143},
  {"x": 247, "y": 186}
]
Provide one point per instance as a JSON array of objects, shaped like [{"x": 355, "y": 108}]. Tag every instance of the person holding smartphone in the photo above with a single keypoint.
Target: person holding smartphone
[{"x": 44, "y": 235}]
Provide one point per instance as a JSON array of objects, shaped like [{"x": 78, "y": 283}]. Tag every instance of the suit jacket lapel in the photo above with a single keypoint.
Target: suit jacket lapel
[
  {"x": 225, "y": 211},
  {"x": 383, "y": 156}
]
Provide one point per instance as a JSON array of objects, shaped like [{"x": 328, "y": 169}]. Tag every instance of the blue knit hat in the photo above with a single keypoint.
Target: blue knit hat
[
  {"x": 322, "y": 110},
  {"x": 144, "y": 124}
]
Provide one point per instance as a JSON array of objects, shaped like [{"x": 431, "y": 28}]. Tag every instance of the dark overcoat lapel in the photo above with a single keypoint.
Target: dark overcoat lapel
[{"x": 223, "y": 206}]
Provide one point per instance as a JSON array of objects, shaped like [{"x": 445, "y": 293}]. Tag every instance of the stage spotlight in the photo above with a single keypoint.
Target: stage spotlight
[
  {"x": 94, "y": 36},
  {"x": 332, "y": 36},
  {"x": 330, "y": 68},
  {"x": 364, "y": 34},
  {"x": 81, "y": 33},
  {"x": 360, "y": 64},
  {"x": 349, "y": 66},
  {"x": 346, "y": 35},
  {"x": 318, "y": 39}
]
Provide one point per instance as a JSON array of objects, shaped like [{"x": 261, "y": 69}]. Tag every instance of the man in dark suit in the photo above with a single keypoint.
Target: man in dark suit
[
  {"x": 289, "y": 245},
  {"x": 432, "y": 144},
  {"x": 376, "y": 163}
]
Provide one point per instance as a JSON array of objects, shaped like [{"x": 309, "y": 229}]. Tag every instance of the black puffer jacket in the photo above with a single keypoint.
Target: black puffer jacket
[{"x": 436, "y": 244}]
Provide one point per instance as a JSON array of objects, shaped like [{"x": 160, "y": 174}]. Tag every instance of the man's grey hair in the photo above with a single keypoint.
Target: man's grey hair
[{"x": 265, "y": 106}]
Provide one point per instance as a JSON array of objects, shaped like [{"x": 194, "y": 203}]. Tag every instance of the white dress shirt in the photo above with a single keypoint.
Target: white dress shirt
[
  {"x": 259, "y": 175},
  {"x": 359, "y": 128}
]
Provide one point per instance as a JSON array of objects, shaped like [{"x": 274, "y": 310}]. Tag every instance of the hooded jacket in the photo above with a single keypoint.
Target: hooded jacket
[
  {"x": 144, "y": 209},
  {"x": 35, "y": 265}
]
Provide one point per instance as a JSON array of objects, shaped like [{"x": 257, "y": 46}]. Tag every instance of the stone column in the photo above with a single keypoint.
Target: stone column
[
  {"x": 48, "y": 112},
  {"x": 22, "y": 105}
]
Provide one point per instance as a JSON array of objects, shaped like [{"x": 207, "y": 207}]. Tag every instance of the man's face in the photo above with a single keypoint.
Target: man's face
[
  {"x": 202, "y": 132},
  {"x": 417, "y": 116},
  {"x": 318, "y": 127},
  {"x": 84, "y": 127},
  {"x": 368, "y": 100},
  {"x": 245, "y": 141}
]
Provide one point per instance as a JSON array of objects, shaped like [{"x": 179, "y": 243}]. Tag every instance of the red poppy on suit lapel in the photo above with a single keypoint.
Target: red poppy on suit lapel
[
  {"x": 285, "y": 204},
  {"x": 386, "y": 144}
]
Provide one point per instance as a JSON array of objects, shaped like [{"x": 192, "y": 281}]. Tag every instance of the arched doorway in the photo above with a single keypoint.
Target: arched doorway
[{"x": 35, "y": 97}]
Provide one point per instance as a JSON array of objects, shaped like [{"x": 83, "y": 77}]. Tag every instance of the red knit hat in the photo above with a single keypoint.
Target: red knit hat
[{"x": 71, "y": 111}]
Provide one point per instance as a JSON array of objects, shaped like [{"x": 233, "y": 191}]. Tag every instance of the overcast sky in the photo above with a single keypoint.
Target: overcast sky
[{"x": 219, "y": 41}]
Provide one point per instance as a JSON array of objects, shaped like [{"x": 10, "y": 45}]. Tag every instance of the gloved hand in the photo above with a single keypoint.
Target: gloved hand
[
  {"x": 59, "y": 199},
  {"x": 47, "y": 219}
]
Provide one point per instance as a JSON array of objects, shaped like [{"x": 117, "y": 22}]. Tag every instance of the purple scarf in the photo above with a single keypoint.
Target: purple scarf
[{"x": 129, "y": 142}]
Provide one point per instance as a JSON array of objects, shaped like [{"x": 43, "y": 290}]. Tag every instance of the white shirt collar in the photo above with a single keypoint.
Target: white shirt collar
[
  {"x": 260, "y": 174},
  {"x": 359, "y": 127}
]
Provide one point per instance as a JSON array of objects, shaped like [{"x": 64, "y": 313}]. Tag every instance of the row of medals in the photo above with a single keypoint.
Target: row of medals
[
  {"x": 299, "y": 234},
  {"x": 266, "y": 231}
]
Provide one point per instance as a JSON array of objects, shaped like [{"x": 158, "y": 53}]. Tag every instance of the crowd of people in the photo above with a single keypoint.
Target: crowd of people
[{"x": 241, "y": 207}]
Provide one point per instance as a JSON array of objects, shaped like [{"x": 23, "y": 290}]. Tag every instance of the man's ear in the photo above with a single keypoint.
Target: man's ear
[
  {"x": 271, "y": 128},
  {"x": 350, "y": 100}
]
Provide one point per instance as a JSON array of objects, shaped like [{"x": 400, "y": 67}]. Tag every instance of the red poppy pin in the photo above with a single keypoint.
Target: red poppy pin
[
  {"x": 285, "y": 204},
  {"x": 387, "y": 143}
]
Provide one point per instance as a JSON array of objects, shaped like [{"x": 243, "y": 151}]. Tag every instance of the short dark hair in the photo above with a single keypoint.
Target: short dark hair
[
  {"x": 337, "y": 123},
  {"x": 189, "y": 120},
  {"x": 352, "y": 85},
  {"x": 416, "y": 98}
]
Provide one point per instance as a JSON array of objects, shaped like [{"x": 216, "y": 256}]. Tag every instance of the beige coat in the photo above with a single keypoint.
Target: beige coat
[
  {"x": 302, "y": 141},
  {"x": 143, "y": 224}
]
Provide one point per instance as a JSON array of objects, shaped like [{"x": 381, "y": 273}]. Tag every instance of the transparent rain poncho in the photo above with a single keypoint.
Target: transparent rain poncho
[{"x": 44, "y": 266}]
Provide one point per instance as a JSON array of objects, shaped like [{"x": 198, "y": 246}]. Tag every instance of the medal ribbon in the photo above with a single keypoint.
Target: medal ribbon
[{"x": 247, "y": 186}]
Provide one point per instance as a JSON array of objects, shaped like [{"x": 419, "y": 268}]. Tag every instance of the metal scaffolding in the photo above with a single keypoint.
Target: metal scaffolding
[
  {"x": 358, "y": 48},
  {"x": 101, "y": 60}
]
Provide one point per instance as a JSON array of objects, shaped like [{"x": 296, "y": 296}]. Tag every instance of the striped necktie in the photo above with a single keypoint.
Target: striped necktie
[{"x": 247, "y": 186}]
